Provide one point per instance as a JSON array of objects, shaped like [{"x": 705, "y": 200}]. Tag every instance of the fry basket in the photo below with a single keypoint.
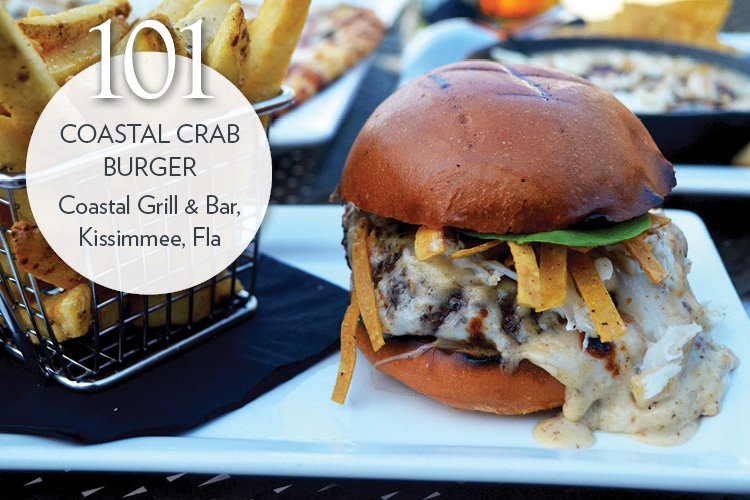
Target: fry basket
[{"x": 128, "y": 333}]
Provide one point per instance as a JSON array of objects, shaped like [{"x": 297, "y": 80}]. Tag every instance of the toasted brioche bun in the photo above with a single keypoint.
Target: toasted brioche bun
[
  {"x": 462, "y": 382},
  {"x": 504, "y": 149}
]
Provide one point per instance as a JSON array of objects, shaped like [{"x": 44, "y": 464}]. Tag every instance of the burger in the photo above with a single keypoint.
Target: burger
[{"x": 507, "y": 256}]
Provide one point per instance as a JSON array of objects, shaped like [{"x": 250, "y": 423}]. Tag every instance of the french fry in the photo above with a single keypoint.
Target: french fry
[
  {"x": 274, "y": 35},
  {"x": 35, "y": 256},
  {"x": 71, "y": 58},
  {"x": 466, "y": 252},
  {"x": 148, "y": 40},
  {"x": 364, "y": 290},
  {"x": 429, "y": 243},
  {"x": 70, "y": 312},
  {"x": 212, "y": 13},
  {"x": 553, "y": 275},
  {"x": 109, "y": 315},
  {"x": 21, "y": 203},
  {"x": 348, "y": 356},
  {"x": 527, "y": 269},
  {"x": 643, "y": 254},
  {"x": 174, "y": 10},
  {"x": 180, "y": 313},
  {"x": 25, "y": 85},
  {"x": 13, "y": 145},
  {"x": 227, "y": 52},
  {"x": 16, "y": 289},
  {"x": 607, "y": 321},
  {"x": 58, "y": 29},
  {"x": 23, "y": 206}
]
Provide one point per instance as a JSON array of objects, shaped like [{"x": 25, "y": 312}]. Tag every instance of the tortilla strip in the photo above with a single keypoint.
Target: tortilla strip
[
  {"x": 643, "y": 254},
  {"x": 659, "y": 221},
  {"x": 364, "y": 290},
  {"x": 553, "y": 275},
  {"x": 348, "y": 356},
  {"x": 529, "y": 290},
  {"x": 607, "y": 321},
  {"x": 466, "y": 252}
]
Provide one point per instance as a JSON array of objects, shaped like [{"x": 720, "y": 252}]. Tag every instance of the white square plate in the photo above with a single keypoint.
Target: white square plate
[{"x": 387, "y": 431}]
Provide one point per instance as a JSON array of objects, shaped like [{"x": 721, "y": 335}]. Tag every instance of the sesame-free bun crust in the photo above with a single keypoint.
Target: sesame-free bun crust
[
  {"x": 504, "y": 149},
  {"x": 455, "y": 380}
]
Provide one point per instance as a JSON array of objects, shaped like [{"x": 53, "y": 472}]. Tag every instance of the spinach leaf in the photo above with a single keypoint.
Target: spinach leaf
[{"x": 576, "y": 238}]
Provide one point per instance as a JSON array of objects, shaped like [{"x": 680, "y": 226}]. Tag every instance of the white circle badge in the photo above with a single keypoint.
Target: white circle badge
[{"x": 149, "y": 196}]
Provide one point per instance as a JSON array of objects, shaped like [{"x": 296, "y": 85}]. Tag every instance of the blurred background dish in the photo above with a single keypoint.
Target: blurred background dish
[{"x": 695, "y": 102}]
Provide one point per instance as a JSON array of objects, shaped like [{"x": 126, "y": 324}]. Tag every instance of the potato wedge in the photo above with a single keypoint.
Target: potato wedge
[
  {"x": 274, "y": 35},
  {"x": 148, "y": 40},
  {"x": 15, "y": 290},
  {"x": 174, "y": 10},
  {"x": 109, "y": 315},
  {"x": 58, "y": 29},
  {"x": 13, "y": 145},
  {"x": 70, "y": 312},
  {"x": 25, "y": 85},
  {"x": 35, "y": 256},
  {"x": 21, "y": 202},
  {"x": 71, "y": 58},
  {"x": 23, "y": 206},
  {"x": 212, "y": 12},
  {"x": 180, "y": 308},
  {"x": 227, "y": 52}
]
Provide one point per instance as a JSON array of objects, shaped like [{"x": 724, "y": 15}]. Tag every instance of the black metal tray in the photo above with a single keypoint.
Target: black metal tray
[{"x": 706, "y": 137}]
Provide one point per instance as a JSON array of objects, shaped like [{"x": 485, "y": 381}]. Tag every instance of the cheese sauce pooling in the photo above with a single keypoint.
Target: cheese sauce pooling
[{"x": 653, "y": 383}]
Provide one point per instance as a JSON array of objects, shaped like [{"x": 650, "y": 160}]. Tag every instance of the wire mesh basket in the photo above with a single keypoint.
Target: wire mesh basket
[{"x": 128, "y": 333}]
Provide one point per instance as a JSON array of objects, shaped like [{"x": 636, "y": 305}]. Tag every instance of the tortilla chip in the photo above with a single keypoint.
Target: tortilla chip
[
  {"x": 348, "y": 356},
  {"x": 429, "y": 243},
  {"x": 609, "y": 325},
  {"x": 364, "y": 290},
  {"x": 466, "y": 252},
  {"x": 643, "y": 254},
  {"x": 524, "y": 258},
  {"x": 553, "y": 275},
  {"x": 690, "y": 22}
]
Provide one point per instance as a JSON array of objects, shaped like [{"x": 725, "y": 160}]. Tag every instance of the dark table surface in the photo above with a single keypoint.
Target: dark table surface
[{"x": 309, "y": 176}]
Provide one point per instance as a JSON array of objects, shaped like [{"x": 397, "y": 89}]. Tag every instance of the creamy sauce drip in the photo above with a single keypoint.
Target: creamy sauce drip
[
  {"x": 559, "y": 432},
  {"x": 653, "y": 383}
]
